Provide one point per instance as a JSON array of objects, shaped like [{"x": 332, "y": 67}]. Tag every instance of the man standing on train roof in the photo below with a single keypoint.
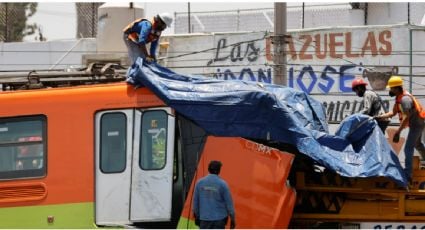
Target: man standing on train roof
[{"x": 141, "y": 32}]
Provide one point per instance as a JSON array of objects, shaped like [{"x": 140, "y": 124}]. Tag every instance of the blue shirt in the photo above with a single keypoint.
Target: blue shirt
[
  {"x": 212, "y": 199},
  {"x": 144, "y": 28}
]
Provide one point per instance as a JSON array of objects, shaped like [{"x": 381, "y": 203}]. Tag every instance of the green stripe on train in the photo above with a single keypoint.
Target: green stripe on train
[{"x": 76, "y": 215}]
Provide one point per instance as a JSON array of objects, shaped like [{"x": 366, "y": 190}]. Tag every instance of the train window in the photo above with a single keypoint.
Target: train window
[
  {"x": 113, "y": 142},
  {"x": 23, "y": 147},
  {"x": 153, "y": 140}
]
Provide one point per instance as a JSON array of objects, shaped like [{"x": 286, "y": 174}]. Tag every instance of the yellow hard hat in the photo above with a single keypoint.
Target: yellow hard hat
[{"x": 394, "y": 81}]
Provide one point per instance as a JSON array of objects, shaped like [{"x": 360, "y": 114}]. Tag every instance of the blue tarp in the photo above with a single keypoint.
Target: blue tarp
[{"x": 277, "y": 113}]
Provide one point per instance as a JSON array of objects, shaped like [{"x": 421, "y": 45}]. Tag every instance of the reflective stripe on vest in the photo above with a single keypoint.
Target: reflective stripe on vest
[
  {"x": 416, "y": 104},
  {"x": 134, "y": 36}
]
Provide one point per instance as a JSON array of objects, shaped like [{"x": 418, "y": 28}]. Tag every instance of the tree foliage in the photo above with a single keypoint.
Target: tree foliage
[{"x": 13, "y": 20}]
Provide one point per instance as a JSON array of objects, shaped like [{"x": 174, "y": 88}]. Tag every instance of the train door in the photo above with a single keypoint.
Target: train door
[
  {"x": 114, "y": 140},
  {"x": 134, "y": 166},
  {"x": 152, "y": 177}
]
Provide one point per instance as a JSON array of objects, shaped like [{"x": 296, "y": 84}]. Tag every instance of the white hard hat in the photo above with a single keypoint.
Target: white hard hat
[{"x": 166, "y": 18}]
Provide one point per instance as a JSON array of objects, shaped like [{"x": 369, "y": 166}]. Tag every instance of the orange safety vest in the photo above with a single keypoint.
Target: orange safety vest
[
  {"x": 134, "y": 36},
  {"x": 399, "y": 109}
]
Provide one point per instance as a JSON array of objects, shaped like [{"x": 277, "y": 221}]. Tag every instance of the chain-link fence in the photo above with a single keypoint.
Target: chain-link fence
[
  {"x": 87, "y": 19},
  {"x": 298, "y": 17},
  {"x": 224, "y": 21},
  {"x": 260, "y": 19},
  {"x": 3, "y": 21},
  {"x": 13, "y": 21}
]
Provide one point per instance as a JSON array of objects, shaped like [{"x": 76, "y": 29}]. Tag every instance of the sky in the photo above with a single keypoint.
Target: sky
[{"x": 58, "y": 19}]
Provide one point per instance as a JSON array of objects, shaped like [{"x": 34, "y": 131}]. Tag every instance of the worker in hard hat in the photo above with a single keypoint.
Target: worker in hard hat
[
  {"x": 372, "y": 103},
  {"x": 142, "y": 32},
  {"x": 411, "y": 114}
]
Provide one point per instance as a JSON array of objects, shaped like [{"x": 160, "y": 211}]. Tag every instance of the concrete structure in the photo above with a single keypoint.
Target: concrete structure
[
  {"x": 113, "y": 17},
  {"x": 59, "y": 54}
]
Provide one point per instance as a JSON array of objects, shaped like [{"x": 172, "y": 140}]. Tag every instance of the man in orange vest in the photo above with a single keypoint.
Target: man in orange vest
[
  {"x": 142, "y": 32},
  {"x": 372, "y": 102},
  {"x": 412, "y": 115}
]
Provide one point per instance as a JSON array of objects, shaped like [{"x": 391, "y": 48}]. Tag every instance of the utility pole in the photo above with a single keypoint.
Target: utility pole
[
  {"x": 302, "y": 22},
  {"x": 93, "y": 12},
  {"x": 279, "y": 57},
  {"x": 188, "y": 17},
  {"x": 408, "y": 13},
  {"x": 6, "y": 23}
]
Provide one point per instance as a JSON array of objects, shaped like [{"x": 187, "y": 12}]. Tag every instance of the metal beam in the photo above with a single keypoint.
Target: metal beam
[{"x": 279, "y": 72}]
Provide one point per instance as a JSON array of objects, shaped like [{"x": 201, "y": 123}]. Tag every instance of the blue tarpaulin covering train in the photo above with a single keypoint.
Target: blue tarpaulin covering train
[{"x": 276, "y": 113}]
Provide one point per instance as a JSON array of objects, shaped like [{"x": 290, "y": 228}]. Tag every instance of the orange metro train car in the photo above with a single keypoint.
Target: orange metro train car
[{"x": 111, "y": 155}]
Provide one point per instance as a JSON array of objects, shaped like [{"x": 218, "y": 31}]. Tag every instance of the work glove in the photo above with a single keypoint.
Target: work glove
[
  {"x": 150, "y": 59},
  {"x": 396, "y": 137},
  {"x": 377, "y": 118}
]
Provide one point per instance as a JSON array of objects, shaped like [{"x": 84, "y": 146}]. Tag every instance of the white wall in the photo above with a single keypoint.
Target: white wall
[
  {"x": 378, "y": 13},
  {"x": 395, "y": 13},
  {"x": 387, "y": 13},
  {"x": 112, "y": 19},
  {"x": 59, "y": 54}
]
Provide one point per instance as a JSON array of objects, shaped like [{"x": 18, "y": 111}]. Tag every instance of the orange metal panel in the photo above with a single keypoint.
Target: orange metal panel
[{"x": 256, "y": 175}]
